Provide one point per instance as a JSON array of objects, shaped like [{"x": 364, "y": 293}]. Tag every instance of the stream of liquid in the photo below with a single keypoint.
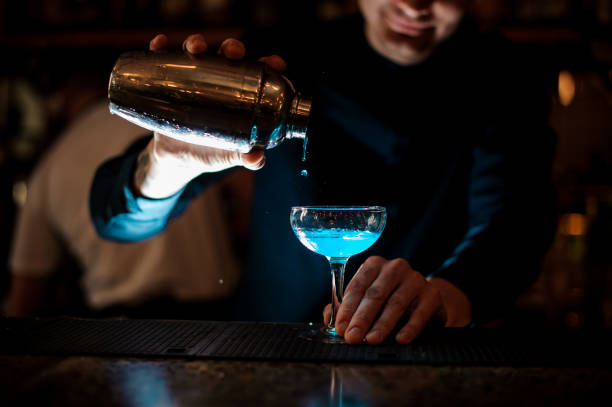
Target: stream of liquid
[{"x": 304, "y": 172}]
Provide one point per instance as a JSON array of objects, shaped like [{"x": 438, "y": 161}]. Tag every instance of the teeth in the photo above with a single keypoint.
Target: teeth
[
  {"x": 410, "y": 12},
  {"x": 406, "y": 11}
]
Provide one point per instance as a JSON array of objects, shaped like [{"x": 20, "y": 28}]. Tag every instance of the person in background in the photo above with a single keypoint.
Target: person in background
[
  {"x": 191, "y": 263},
  {"x": 416, "y": 110}
]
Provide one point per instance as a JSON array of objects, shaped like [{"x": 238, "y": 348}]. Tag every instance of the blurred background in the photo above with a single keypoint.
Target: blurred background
[{"x": 57, "y": 55}]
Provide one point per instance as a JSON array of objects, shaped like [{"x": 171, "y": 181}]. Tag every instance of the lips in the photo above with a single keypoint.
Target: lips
[{"x": 405, "y": 25}]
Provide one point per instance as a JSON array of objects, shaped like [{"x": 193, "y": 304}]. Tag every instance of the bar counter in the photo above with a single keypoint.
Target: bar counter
[
  {"x": 113, "y": 381},
  {"x": 127, "y": 362}
]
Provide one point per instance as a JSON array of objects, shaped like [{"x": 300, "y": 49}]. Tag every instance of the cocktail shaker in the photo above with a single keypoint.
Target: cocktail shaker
[{"x": 207, "y": 100}]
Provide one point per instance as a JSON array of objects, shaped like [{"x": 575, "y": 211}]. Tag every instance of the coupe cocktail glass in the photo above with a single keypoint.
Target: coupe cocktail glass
[{"x": 337, "y": 232}]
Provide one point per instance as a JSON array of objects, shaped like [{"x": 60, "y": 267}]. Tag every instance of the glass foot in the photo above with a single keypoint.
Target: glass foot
[{"x": 322, "y": 334}]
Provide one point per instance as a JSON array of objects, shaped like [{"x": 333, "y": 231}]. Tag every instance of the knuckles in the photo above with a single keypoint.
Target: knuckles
[
  {"x": 375, "y": 293},
  {"x": 400, "y": 264},
  {"x": 400, "y": 270},
  {"x": 373, "y": 261}
]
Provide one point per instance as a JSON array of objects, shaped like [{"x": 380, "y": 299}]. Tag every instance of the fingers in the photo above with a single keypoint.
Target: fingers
[
  {"x": 232, "y": 49},
  {"x": 159, "y": 43},
  {"x": 199, "y": 159},
  {"x": 195, "y": 44},
  {"x": 377, "y": 298},
  {"x": 218, "y": 160},
  {"x": 428, "y": 304},
  {"x": 355, "y": 291},
  {"x": 327, "y": 313},
  {"x": 253, "y": 160},
  {"x": 274, "y": 62},
  {"x": 397, "y": 305},
  {"x": 374, "y": 300}
]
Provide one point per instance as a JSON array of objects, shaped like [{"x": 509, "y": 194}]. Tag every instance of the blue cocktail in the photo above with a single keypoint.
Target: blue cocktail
[
  {"x": 337, "y": 232},
  {"x": 336, "y": 243}
]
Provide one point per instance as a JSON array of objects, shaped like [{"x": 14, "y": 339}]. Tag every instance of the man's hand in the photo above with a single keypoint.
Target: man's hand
[
  {"x": 382, "y": 291},
  {"x": 166, "y": 165}
]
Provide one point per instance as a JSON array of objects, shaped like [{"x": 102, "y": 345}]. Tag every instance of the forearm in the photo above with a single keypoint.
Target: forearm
[
  {"x": 496, "y": 262},
  {"x": 120, "y": 213},
  {"x": 512, "y": 220}
]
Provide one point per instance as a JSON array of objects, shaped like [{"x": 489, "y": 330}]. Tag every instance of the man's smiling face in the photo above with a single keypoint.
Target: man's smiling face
[{"x": 407, "y": 31}]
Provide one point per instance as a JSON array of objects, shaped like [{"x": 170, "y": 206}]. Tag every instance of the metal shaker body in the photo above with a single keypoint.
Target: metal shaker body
[{"x": 207, "y": 100}]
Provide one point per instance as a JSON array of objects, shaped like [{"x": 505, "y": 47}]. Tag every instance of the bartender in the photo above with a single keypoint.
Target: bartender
[{"x": 416, "y": 110}]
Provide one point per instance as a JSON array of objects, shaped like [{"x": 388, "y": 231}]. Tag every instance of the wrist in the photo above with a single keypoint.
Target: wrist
[{"x": 456, "y": 303}]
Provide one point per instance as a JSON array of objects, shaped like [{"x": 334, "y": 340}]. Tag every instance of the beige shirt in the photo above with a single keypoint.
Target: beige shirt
[{"x": 191, "y": 260}]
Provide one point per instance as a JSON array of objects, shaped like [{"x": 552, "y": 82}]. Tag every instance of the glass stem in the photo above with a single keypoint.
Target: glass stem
[{"x": 337, "y": 273}]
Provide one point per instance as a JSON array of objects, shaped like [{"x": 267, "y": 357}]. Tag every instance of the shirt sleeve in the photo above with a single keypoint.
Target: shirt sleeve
[
  {"x": 119, "y": 214},
  {"x": 512, "y": 219},
  {"x": 512, "y": 203}
]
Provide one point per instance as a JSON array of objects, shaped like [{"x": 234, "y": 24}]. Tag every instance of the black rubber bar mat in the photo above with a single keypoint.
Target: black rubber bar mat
[{"x": 270, "y": 341}]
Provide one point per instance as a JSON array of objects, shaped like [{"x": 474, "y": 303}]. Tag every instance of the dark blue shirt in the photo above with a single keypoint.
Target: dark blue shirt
[{"x": 456, "y": 148}]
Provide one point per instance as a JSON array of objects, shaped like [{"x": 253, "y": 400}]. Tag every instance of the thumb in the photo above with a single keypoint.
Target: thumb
[
  {"x": 253, "y": 160},
  {"x": 327, "y": 313}
]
